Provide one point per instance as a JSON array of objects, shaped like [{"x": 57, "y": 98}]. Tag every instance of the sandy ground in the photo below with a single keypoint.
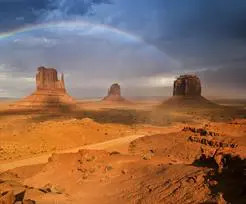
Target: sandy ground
[
  {"x": 136, "y": 153},
  {"x": 120, "y": 145}
]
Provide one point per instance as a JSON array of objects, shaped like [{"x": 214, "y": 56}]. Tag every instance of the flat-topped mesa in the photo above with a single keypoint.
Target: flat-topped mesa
[
  {"x": 47, "y": 79},
  {"x": 114, "y": 94},
  {"x": 50, "y": 92},
  {"x": 187, "y": 92},
  {"x": 187, "y": 85}
]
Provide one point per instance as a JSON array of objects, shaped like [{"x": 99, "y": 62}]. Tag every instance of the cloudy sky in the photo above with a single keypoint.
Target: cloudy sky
[{"x": 141, "y": 44}]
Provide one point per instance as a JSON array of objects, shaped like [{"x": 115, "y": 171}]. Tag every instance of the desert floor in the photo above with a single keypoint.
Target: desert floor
[{"x": 124, "y": 153}]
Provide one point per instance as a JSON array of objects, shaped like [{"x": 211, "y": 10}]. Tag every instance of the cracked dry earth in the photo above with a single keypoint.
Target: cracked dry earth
[{"x": 162, "y": 168}]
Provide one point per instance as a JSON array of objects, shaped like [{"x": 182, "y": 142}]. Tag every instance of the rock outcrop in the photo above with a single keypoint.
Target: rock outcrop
[
  {"x": 187, "y": 91},
  {"x": 47, "y": 79},
  {"x": 114, "y": 94},
  {"x": 187, "y": 85},
  {"x": 114, "y": 90},
  {"x": 50, "y": 92}
]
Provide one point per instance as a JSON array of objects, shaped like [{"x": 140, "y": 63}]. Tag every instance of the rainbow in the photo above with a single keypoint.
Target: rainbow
[{"x": 68, "y": 24}]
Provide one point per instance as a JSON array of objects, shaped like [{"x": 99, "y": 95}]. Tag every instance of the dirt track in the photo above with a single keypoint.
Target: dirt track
[
  {"x": 44, "y": 158},
  {"x": 119, "y": 144}
]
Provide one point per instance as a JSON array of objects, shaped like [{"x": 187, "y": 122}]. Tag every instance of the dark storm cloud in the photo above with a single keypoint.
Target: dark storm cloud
[
  {"x": 16, "y": 13},
  {"x": 200, "y": 34},
  {"x": 200, "y": 18},
  {"x": 207, "y": 37},
  {"x": 69, "y": 9},
  {"x": 199, "y": 26}
]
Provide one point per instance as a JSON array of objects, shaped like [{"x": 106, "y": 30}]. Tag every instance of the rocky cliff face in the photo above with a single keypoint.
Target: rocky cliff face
[
  {"x": 47, "y": 79},
  {"x": 50, "y": 92},
  {"x": 187, "y": 85},
  {"x": 114, "y": 90},
  {"x": 114, "y": 94},
  {"x": 187, "y": 93}
]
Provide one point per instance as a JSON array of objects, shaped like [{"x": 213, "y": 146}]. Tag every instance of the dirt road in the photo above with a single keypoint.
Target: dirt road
[
  {"x": 119, "y": 144},
  {"x": 44, "y": 158}
]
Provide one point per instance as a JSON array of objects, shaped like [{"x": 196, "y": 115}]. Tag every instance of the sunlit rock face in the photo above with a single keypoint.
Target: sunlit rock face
[
  {"x": 50, "y": 92},
  {"x": 187, "y": 85},
  {"x": 47, "y": 79},
  {"x": 114, "y": 93}
]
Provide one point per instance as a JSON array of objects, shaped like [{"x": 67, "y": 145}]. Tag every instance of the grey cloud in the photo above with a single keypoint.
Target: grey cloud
[
  {"x": 206, "y": 37},
  {"x": 69, "y": 9},
  {"x": 92, "y": 62}
]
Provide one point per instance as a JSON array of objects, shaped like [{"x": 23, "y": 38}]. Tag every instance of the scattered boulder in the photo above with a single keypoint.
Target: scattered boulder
[
  {"x": 212, "y": 142},
  {"x": 48, "y": 188},
  {"x": 200, "y": 131}
]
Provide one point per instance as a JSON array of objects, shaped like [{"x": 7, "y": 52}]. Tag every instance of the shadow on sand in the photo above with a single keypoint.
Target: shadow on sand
[{"x": 54, "y": 109}]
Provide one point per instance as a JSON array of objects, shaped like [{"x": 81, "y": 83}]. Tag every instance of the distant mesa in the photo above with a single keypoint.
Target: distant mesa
[
  {"x": 187, "y": 91},
  {"x": 50, "y": 92},
  {"x": 187, "y": 85},
  {"x": 114, "y": 94}
]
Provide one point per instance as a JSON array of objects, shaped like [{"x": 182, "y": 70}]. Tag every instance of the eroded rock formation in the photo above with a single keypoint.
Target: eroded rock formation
[
  {"x": 114, "y": 94},
  {"x": 47, "y": 79},
  {"x": 187, "y": 85},
  {"x": 187, "y": 91},
  {"x": 114, "y": 90},
  {"x": 50, "y": 92}
]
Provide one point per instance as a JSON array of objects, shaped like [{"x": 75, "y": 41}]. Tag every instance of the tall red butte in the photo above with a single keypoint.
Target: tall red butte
[
  {"x": 187, "y": 91},
  {"x": 114, "y": 94},
  {"x": 50, "y": 92}
]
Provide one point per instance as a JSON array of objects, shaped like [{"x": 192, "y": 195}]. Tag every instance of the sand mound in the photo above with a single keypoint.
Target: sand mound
[
  {"x": 44, "y": 99},
  {"x": 158, "y": 169},
  {"x": 188, "y": 101},
  {"x": 97, "y": 176},
  {"x": 111, "y": 177}
]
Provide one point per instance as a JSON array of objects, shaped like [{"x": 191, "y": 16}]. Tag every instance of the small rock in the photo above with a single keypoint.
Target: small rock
[
  {"x": 45, "y": 189},
  {"x": 220, "y": 199},
  {"x": 148, "y": 156},
  {"x": 213, "y": 183},
  {"x": 108, "y": 168},
  {"x": 191, "y": 180},
  {"x": 124, "y": 171},
  {"x": 114, "y": 153},
  {"x": 57, "y": 190},
  {"x": 48, "y": 188},
  {"x": 90, "y": 158}
]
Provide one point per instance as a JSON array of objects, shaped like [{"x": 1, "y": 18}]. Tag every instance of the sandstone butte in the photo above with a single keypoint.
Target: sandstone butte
[
  {"x": 187, "y": 91},
  {"x": 50, "y": 92},
  {"x": 114, "y": 94}
]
